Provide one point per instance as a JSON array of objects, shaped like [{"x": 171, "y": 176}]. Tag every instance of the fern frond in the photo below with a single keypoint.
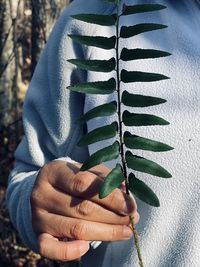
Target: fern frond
[{"x": 124, "y": 140}]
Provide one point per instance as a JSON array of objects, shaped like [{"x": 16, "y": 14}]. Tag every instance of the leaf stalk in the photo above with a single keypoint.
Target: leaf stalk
[{"x": 121, "y": 145}]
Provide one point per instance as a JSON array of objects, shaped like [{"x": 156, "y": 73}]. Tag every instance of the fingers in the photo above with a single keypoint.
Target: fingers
[
  {"x": 100, "y": 170},
  {"x": 50, "y": 247},
  {"x": 65, "y": 205},
  {"x": 78, "y": 229},
  {"x": 87, "y": 185}
]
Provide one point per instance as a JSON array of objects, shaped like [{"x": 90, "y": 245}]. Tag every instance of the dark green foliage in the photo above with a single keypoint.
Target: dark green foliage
[
  {"x": 110, "y": 1},
  {"x": 139, "y": 76},
  {"x": 103, "y": 155},
  {"x": 142, "y": 191},
  {"x": 130, "y": 10},
  {"x": 144, "y": 165},
  {"x": 104, "y": 20},
  {"x": 135, "y": 119},
  {"x": 128, "y": 140},
  {"x": 100, "y": 111},
  {"x": 99, "y": 134},
  {"x": 133, "y": 54},
  {"x": 112, "y": 181},
  {"x": 132, "y": 100},
  {"x": 138, "y": 142},
  {"x": 94, "y": 65},
  {"x": 104, "y": 87},
  {"x": 130, "y": 31},
  {"x": 98, "y": 41}
]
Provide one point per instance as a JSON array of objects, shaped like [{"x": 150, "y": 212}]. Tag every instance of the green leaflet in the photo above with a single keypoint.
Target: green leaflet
[
  {"x": 128, "y": 10},
  {"x": 100, "y": 111},
  {"x": 132, "y": 100},
  {"x": 127, "y": 32},
  {"x": 138, "y": 142},
  {"x": 94, "y": 65},
  {"x": 110, "y": 1},
  {"x": 133, "y": 54},
  {"x": 103, "y": 20},
  {"x": 97, "y": 41},
  {"x": 99, "y": 134},
  {"x": 139, "y": 76},
  {"x": 144, "y": 165},
  {"x": 105, "y": 154},
  {"x": 142, "y": 191},
  {"x": 112, "y": 181},
  {"x": 104, "y": 87},
  {"x": 135, "y": 119}
]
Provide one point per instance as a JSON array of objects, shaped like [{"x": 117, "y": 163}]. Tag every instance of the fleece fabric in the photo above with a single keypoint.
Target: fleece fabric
[{"x": 169, "y": 235}]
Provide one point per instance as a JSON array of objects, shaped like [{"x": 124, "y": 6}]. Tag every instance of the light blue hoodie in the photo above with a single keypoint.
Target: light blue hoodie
[{"x": 170, "y": 235}]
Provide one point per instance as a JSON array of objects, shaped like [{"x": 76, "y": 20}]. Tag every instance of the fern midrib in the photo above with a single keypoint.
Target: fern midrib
[
  {"x": 119, "y": 103},
  {"x": 124, "y": 170}
]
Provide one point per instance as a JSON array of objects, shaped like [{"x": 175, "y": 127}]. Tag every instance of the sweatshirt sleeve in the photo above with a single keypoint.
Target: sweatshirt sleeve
[{"x": 49, "y": 114}]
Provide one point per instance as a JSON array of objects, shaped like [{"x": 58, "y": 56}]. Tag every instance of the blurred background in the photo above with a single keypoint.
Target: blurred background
[{"x": 24, "y": 29}]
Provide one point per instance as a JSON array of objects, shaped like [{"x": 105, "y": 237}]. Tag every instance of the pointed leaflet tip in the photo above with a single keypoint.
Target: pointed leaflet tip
[
  {"x": 133, "y": 100},
  {"x": 138, "y": 142},
  {"x": 103, "y": 20},
  {"x": 94, "y": 65},
  {"x": 110, "y": 1},
  {"x": 144, "y": 165},
  {"x": 101, "y": 87},
  {"x": 137, "y": 53},
  {"x": 107, "y": 109},
  {"x": 129, "y": 10},
  {"x": 137, "y": 119},
  {"x": 130, "y": 31},
  {"x": 142, "y": 191},
  {"x": 99, "y": 134},
  {"x": 97, "y": 41},
  {"x": 139, "y": 76}
]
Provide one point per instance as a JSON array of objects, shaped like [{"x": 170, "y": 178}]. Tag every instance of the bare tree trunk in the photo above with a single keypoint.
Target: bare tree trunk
[
  {"x": 44, "y": 15},
  {"x": 7, "y": 64}
]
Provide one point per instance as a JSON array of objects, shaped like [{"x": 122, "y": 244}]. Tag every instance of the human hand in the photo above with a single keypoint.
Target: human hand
[{"x": 65, "y": 204}]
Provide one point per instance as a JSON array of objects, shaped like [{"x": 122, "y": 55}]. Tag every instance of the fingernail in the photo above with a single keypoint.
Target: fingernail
[
  {"x": 127, "y": 233},
  {"x": 84, "y": 247}
]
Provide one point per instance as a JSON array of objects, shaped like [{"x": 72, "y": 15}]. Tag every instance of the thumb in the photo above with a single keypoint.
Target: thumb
[{"x": 50, "y": 247}]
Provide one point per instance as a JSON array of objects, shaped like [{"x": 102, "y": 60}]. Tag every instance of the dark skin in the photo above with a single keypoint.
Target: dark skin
[{"x": 65, "y": 204}]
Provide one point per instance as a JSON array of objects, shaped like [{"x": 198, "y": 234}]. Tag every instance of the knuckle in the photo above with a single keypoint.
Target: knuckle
[
  {"x": 44, "y": 171},
  {"x": 84, "y": 208},
  {"x": 123, "y": 220},
  {"x": 113, "y": 198},
  {"x": 48, "y": 170},
  {"x": 79, "y": 184},
  {"x": 36, "y": 196},
  {"x": 60, "y": 226},
  {"x": 78, "y": 231}
]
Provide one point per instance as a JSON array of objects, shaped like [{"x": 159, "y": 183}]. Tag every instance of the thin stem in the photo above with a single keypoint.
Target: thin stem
[{"x": 135, "y": 234}]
